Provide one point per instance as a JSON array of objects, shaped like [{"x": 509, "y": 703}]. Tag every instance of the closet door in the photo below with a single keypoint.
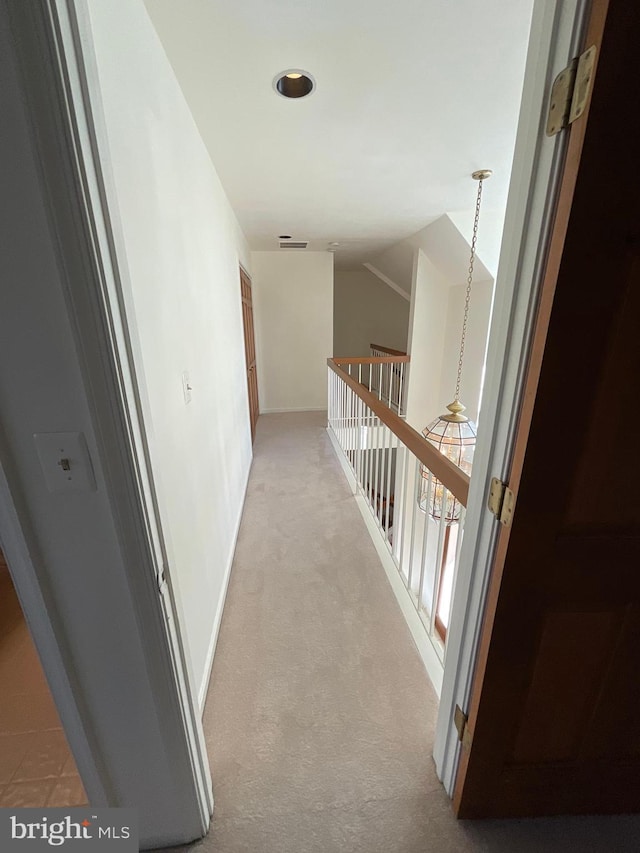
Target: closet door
[{"x": 250, "y": 350}]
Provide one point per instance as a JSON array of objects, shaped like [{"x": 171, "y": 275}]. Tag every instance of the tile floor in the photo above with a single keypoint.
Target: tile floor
[{"x": 36, "y": 765}]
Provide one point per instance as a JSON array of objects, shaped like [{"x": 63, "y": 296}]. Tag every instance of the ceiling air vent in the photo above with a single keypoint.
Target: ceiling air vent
[{"x": 292, "y": 245}]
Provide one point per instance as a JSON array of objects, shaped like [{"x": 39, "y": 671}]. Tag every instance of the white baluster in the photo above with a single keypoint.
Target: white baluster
[
  {"x": 442, "y": 526},
  {"x": 427, "y": 524},
  {"x": 414, "y": 503}
]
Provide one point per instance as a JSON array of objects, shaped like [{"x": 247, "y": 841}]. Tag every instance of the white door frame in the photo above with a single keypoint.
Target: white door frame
[
  {"x": 78, "y": 61},
  {"x": 556, "y": 36},
  {"x": 59, "y": 113}
]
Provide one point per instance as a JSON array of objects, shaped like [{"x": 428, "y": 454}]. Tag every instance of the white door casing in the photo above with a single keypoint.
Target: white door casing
[
  {"x": 555, "y": 38},
  {"x": 52, "y": 81}
]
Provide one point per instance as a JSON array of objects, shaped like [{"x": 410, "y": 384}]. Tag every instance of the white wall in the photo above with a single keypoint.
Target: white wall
[
  {"x": 489, "y": 231},
  {"x": 437, "y": 313},
  {"x": 449, "y": 249},
  {"x": 366, "y": 310},
  {"x": 293, "y": 315},
  {"x": 427, "y": 335},
  {"x": 179, "y": 247},
  {"x": 475, "y": 345},
  {"x": 396, "y": 262}
]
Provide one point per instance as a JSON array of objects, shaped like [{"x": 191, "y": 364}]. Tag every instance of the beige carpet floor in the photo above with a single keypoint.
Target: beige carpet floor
[{"x": 319, "y": 718}]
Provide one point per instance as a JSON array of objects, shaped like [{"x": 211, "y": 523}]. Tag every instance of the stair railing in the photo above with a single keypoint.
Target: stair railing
[
  {"x": 416, "y": 496},
  {"x": 384, "y": 376}
]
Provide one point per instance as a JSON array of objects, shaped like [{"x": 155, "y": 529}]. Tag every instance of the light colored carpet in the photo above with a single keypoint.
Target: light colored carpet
[{"x": 319, "y": 718}]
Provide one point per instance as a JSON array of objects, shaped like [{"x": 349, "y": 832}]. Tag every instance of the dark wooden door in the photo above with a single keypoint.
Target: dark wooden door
[
  {"x": 250, "y": 350},
  {"x": 554, "y": 709}
]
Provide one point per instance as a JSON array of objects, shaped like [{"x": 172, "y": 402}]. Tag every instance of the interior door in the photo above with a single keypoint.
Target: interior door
[
  {"x": 250, "y": 350},
  {"x": 552, "y": 719}
]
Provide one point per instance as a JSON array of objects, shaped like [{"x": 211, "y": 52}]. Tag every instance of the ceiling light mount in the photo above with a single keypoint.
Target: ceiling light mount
[{"x": 294, "y": 83}]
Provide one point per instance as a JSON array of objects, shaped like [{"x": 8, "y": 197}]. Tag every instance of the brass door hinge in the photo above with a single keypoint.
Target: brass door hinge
[
  {"x": 570, "y": 92},
  {"x": 461, "y": 722},
  {"x": 501, "y": 501}
]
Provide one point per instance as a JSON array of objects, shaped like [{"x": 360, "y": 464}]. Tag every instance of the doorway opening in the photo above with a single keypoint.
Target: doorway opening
[
  {"x": 385, "y": 514},
  {"x": 250, "y": 350}
]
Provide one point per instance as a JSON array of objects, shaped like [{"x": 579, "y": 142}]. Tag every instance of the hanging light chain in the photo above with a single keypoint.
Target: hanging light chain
[{"x": 472, "y": 259}]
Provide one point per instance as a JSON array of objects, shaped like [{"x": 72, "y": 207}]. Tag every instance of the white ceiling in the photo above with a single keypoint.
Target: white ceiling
[{"x": 412, "y": 96}]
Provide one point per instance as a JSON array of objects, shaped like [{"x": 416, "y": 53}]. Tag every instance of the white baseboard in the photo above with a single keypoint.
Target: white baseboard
[
  {"x": 348, "y": 473},
  {"x": 426, "y": 650},
  {"x": 303, "y": 409},
  {"x": 204, "y": 686}
]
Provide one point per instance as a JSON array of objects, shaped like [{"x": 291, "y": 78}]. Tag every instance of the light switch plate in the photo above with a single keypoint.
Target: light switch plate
[{"x": 65, "y": 461}]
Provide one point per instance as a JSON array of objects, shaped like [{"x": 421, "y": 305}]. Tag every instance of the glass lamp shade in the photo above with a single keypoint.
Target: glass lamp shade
[{"x": 455, "y": 437}]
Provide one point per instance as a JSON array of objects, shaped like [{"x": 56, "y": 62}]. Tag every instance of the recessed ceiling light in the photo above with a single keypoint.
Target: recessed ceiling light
[
  {"x": 334, "y": 244},
  {"x": 294, "y": 83}
]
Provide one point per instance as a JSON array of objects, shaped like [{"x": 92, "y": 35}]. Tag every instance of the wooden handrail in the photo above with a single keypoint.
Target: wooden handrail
[
  {"x": 386, "y": 359},
  {"x": 380, "y": 348},
  {"x": 452, "y": 477}
]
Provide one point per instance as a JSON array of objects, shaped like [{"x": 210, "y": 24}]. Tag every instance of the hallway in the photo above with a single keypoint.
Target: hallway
[{"x": 319, "y": 718}]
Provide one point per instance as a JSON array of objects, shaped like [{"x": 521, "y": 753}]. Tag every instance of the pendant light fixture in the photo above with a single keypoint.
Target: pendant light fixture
[{"x": 453, "y": 433}]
